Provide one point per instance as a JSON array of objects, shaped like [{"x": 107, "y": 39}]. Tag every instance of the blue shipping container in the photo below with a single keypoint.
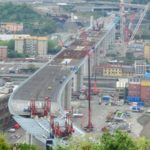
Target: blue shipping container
[
  {"x": 106, "y": 98},
  {"x": 141, "y": 104},
  {"x": 133, "y": 99}
]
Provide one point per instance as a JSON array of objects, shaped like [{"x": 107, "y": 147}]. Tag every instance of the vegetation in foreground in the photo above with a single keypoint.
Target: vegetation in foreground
[{"x": 117, "y": 141}]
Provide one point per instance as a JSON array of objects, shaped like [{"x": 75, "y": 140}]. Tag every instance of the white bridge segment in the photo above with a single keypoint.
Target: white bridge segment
[{"x": 36, "y": 84}]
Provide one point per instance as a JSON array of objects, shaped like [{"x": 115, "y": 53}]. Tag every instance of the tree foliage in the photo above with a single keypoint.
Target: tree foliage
[
  {"x": 116, "y": 141},
  {"x": 3, "y": 144},
  {"x": 21, "y": 146},
  {"x": 11, "y": 49},
  {"x": 129, "y": 59},
  {"x": 53, "y": 47},
  {"x": 24, "y": 146}
]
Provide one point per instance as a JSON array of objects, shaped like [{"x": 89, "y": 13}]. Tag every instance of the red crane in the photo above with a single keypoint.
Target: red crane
[
  {"x": 83, "y": 37},
  {"x": 59, "y": 131},
  {"x": 40, "y": 112}
]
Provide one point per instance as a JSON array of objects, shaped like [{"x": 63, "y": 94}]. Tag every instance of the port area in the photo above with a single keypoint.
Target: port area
[{"x": 110, "y": 117}]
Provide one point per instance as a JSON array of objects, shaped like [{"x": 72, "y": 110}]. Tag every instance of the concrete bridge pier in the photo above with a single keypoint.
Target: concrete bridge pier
[
  {"x": 74, "y": 83},
  {"x": 29, "y": 138},
  {"x": 68, "y": 95},
  {"x": 85, "y": 68},
  {"x": 79, "y": 75}
]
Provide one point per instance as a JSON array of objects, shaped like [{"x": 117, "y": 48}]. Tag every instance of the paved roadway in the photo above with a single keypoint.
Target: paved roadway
[{"x": 38, "y": 85}]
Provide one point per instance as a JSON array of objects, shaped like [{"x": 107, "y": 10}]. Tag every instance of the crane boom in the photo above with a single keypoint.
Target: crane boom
[{"x": 139, "y": 22}]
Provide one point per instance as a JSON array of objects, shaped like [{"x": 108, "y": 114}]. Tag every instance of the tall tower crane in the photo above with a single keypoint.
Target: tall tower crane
[
  {"x": 123, "y": 29},
  {"x": 139, "y": 22}
]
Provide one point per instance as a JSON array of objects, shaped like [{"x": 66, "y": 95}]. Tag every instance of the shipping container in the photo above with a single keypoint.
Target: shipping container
[
  {"x": 147, "y": 102},
  {"x": 145, "y": 83},
  {"x": 145, "y": 93},
  {"x": 133, "y": 87},
  {"x": 134, "y": 93},
  {"x": 133, "y": 99},
  {"x": 140, "y": 103}
]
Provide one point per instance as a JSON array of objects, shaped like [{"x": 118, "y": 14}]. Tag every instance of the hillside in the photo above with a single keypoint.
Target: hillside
[{"x": 34, "y": 23}]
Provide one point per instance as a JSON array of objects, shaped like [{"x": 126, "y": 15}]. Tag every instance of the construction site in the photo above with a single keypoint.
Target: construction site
[{"x": 63, "y": 97}]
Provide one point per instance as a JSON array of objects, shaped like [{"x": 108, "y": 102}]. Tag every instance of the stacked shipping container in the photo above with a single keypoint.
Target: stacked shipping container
[
  {"x": 134, "y": 89},
  {"x": 145, "y": 91},
  {"x": 134, "y": 93}
]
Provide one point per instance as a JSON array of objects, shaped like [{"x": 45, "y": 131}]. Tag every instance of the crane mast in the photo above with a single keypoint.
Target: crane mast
[{"x": 139, "y": 22}]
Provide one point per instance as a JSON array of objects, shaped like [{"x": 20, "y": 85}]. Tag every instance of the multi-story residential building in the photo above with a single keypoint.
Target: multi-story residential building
[
  {"x": 31, "y": 45},
  {"x": 3, "y": 52},
  {"x": 11, "y": 27},
  {"x": 147, "y": 51},
  {"x": 127, "y": 71},
  {"x": 140, "y": 67}
]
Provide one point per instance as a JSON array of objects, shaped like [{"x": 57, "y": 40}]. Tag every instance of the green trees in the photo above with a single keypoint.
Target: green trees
[
  {"x": 11, "y": 49},
  {"x": 3, "y": 144},
  {"x": 53, "y": 47},
  {"x": 24, "y": 147},
  {"x": 116, "y": 141},
  {"x": 129, "y": 59}
]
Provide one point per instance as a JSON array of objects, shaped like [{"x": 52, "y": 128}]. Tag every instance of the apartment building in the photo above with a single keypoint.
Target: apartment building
[
  {"x": 32, "y": 45},
  {"x": 147, "y": 51},
  {"x": 141, "y": 67},
  {"x": 11, "y": 27},
  {"x": 3, "y": 52}
]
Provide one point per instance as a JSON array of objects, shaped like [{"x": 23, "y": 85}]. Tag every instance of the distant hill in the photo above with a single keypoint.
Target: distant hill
[{"x": 34, "y": 23}]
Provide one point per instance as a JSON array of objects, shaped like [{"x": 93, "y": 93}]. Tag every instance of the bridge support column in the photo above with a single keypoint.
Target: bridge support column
[
  {"x": 80, "y": 78},
  {"x": 68, "y": 95},
  {"x": 28, "y": 138},
  {"x": 63, "y": 99},
  {"x": 85, "y": 68},
  {"x": 74, "y": 83}
]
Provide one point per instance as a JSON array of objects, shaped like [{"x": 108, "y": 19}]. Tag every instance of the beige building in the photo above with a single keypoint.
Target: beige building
[
  {"x": 117, "y": 70},
  {"x": 147, "y": 51},
  {"x": 3, "y": 52},
  {"x": 112, "y": 71},
  {"x": 31, "y": 45},
  {"x": 11, "y": 27}
]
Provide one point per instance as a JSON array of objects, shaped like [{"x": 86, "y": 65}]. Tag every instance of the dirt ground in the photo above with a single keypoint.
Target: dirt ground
[
  {"x": 100, "y": 112},
  {"x": 144, "y": 120}
]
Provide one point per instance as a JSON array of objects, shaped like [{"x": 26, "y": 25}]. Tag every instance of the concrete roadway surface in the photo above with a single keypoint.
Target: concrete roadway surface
[{"x": 38, "y": 86}]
